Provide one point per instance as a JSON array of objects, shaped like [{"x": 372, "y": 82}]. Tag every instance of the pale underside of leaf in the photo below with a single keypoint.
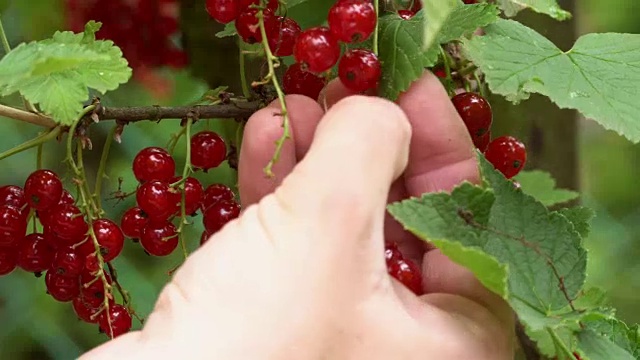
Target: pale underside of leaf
[
  {"x": 436, "y": 13},
  {"x": 548, "y": 7},
  {"x": 542, "y": 187}
]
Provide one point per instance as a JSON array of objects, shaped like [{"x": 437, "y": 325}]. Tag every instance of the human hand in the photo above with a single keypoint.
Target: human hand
[{"x": 302, "y": 275}]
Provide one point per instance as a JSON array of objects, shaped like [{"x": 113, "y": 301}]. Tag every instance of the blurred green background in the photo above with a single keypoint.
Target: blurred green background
[{"x": 34, "y": 326}]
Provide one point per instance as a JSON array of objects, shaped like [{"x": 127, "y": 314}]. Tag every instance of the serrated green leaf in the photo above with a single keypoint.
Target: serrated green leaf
[
  {"x": 436, "y": 15},
  {"x": 549, "y": 7},
  {"x": 229, "y": 30},
  {"x": 309, "y": 13},
  {"x": 627, "y": 338},
  {"x": 598, "y": 347},
  {"x": 466, "y": 19},
  {"x": 580, "y": 217},
  {"x": 599, "y": 76},
  {"x": 57, "y": 73},
  {"x": 542, "y": 186}
]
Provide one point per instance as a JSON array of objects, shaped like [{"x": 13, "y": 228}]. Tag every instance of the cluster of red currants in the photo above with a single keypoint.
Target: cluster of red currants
[
  {"x": 506, "y": 153},
  {"x": 143, "y": 29},
  {"x": 65, "y": 249}
]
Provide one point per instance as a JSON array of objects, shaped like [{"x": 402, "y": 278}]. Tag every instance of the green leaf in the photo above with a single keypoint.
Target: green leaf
[
  {"x": 580, "y": 217},
  {"x": 309, "y": 13},
  {"x": 542, "y": 186},
  {"x": 549, "y": 7},
  {"x": 599, "y": 76},
  {"x": 437, "y": 13},
  {"x": 229, "y": 30},
  {"x": 466, "y": 19},
  {"x": 598, "y": 347},
  {"x": 627, "y": 338},
  {"x": 57, "y": 73}
]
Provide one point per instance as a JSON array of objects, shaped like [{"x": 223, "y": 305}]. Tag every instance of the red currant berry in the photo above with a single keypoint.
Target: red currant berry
[
  {"x": 66, "y": 223},
  {"x": 215, "y": 193},
  {"x": 115, "y": 322},
  {"x": 157, "y": 200},
  {"x": 272, "y": 5},
  {"x": 208, "y": 150},
  {"x": 85, "y": 311},
  {"x": 359, "y": 70},
  {"x": 408, "y": 273},
  {"x": 282, "y": 34},
  {"x": 8, "y": 260},
  {"x": 62, "y": 288},
  {"x": 43, "y": 189},
  {"x": 204, "y": 238},
  {"x": 482, "y": 142},
  {"x": 14, "y": 196},
  {"x": 317, "y": 49},
  {"x": 66, "y": 198},
  {"x": 391, "y": 253},
  {"x": 352, "y": 20},
  {"x": 440, "y": 72},
  {"x": 159, "y": 239},
  {"x": 132, "y": 222},
  {"x": 219, "y": 214},
  {"x": 507, "y": 154},
  {"x": 153, "y": 163},
  {"x": 469, "y": 2},
  {"x": 35, "y": 254},
  {"x": 92, "y": 288},
  {"x": 248, "y": 25},
  {"x": 13, "y": 226},
  {"x": 193, "y": 192},
  {"x": 91, "y": 263},
  {"x": 298, "y": 81},
  {"x": 406, "y": 14},
  {"x": 109, "y": 237},
  {"x": 67, "y": 262},
  {"x": 475, "y": 111},
  {"x": 223, "y": 11}
]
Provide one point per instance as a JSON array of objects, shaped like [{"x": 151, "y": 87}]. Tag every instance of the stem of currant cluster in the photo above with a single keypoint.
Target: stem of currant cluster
[
  {"x": 185, "y": 173},
  {"x": 102, "y": 166},
  {"x": 286, "y": 133},
  {"x": 38, "y": 140},
  {"x": 376, "y": 6},
  {"x": 243, "y": 73}
]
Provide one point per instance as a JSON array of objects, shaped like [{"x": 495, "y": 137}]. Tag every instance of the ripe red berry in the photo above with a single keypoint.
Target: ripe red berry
[
  {"x": 208, "y": 150},
  {"x": 109, "y": 237},
  {"x": 62, "y": 288},
  {"x": 204, "y": 237},
  {"x": 470, "y": 1},
  {"x": 153, "y": 163},
  {"x": 115, "y": 322},
  {"x": 282, "y": 34},
  {"x": 85, "y": 311},
  {"x": 352, "y": 20},
  {"x": 223, "y": 11},
  {"x": 215, "y": 193},
  {"x": 66, "y": 198},
  {"x": 159, "y": 239},
  {"x": 92, "y": 288},
  {"x": 392, "y": 253},
  {"x": 14, "y": 196},
  {"x": 13, "y": 226},
  {"x": 317, "y": 49},
  {"x": 475, "y": 111},
  {"x": 406, "y": 14},
  {"x": 219, "y": 214},
  {"x": 248, "y": 25},
  {"x": 158, "y": 200},
  {"x": 66, "y": 224},
  {"x": 43, "y": 189},
  {"x": 482, "y": 142},
  {"x": 271, "y": 4},
  {"x": 8, "y": 260},
  {"x": 91, "y": 263},
  {"x": 132, "y": 222},
  {"x": 298, "y": 81},
  {"x": 35, "y": 254},
  {"x": 193, "y": 192},
  {"x": 359, "y": 70},
  {"x": 408, "y": 273},
  {"x": 67, "y": 262},
  {"x": 507, "y": 154}
]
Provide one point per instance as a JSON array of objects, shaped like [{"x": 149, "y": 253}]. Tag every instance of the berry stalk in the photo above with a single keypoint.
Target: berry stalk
[
  {"x": 185, "y": 174},
  {"x": 102, "y": 166},
  {"x": 38, "y": 140},
  {"x": 374, "y": 47}
]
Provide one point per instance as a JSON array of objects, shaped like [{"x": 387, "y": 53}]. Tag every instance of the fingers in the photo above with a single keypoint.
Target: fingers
[
  {"x": 263, "y": 129},
  {"x": 441, "y": 153},
  {"x": 334, "y": 92}
]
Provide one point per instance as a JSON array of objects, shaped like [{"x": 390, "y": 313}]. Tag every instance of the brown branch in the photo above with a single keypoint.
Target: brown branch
[{"x": 155, "y": 113}]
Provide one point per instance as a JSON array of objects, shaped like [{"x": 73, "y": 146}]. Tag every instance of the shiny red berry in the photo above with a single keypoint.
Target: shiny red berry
[
  {"x": 215, "y": 193},
  {"x": 482, "y": 142},
  {"x": 248, "y": 25},
  {"x": 115, "y": 322},
  {"x": 67, "y": 262},
  {"x": 153, "y": 163},
  {"x": 219, "y": 214},
  {"x": 62, "y": 288},
  {"x": 132, "y": 222},
  {"x": 159, "y": 239},
  {"x": 208, "y": 150},
  {"x": 14, "y": 196},
  {"x": 8, "y": 260},
  {"x": 158, "y": 200},
  {"x": 507, "y": 154},
  {"x": 299, "y": 81},
  {"x": 352, "y": 20},
  {"x": 317, "y": 49},
  {"x": 193, "y": 193},
  {"x": 475, "y": 111},
  {"x": 272, "y": 5},
  {"x": 13, "y": 226},
  {"x": 43, "y": 189},
  {"x": 35, "y": 253},
  {"x": 85, "y": 311},
  {"x": 66, "y": 224},
  {"x": 408, "y": 273},
  {"x": 109, "y": 237},
  {"x": 406, "y": 14},
  {"x": 92, "y": 288},
  {"x": 223, "y": 11},
  {"x": 359, "y": 70},
  {"x": 282, "y": 34},
  {"x": 392, "y": 253},
  {"x": 91, "y": 263}
]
